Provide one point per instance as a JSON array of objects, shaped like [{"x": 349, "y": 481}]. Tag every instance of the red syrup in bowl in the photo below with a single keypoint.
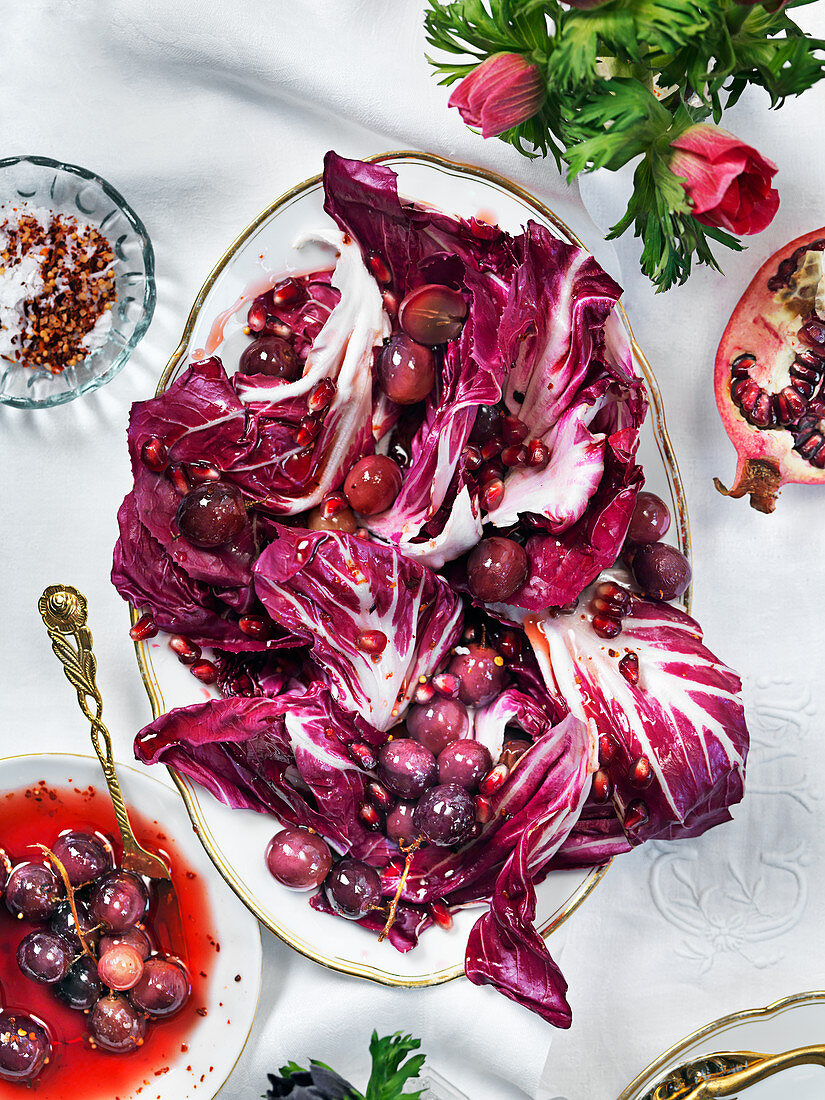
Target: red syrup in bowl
[{"x": 37, "y": 815}]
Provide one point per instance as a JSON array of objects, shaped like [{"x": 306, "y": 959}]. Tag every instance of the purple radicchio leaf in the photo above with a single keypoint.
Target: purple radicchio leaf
[
  {"x": 684, "y": 716},
  {"x": 144, "y": 573},
  {"x": 284, "y": 756},
  {"x": 286, "y": 478},
  {"x": 504, "y": 948},
  {"x": 334, "y": 590}
]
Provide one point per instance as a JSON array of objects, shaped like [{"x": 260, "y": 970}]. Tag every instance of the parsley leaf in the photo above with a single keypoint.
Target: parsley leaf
[{"x": 392, "y": 1067}]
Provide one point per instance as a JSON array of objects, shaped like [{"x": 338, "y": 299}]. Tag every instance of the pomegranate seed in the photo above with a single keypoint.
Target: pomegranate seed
[
  {"x": 307, "y": 431},
  {"x": 640, "y": 773},
  {"x": 298, "y": 464},
  {"x": 490, "y": 471},
  {"x": 813, "y": 333},
  {"x": 253, "y": 626},
  {"x": 607, "y": 748},
  {"x": 256, "y": 318},
  {"x": 441, "y": 914},
  {"x": 636, "y": 814},
  {"x": 606, "y": 627},
  {"x": 202, "y": 471},
  {"x": 614, "y": 595},
  {"x": 509, "y": 644},
  {"x": 333, "y": 505},
  {"x": 629, "y": 668},
  {"x": 380, "y": 796},
  {"x": 391, "y": 301},
  {"x": 490, "y": 449},
  {"x": 423, "y": 694},
  {"x": 484, "y": 810},
  {"x": 602, "y": 785},
  {"x": 154, "y": 455},
  {"x": 362, "y": 755},
  {"x": 177, "y": 475},
  {"x": 515, "y": 455},
  {"x": 370, "y": 816},
  {"x": 240, "y": 684},
  {"x": 511, "y": 752},
  {"x": 372, "y": 641},
  {"x": 492, "y": 494},
  {"x": 204, "y": 671},
  {"x": 276, "y": 327},
  {"x": 144, "y": 628},
  {"x": 378, "y": 266},
  {"x": 321, "y": 395},
  {"x": 362, "y": 533},
  {"x": 494, "y": 780},
  {"x": 187, "y": 652},
  {"x": 472, "y": 458},
  {"x": 513, "y": 430},
  {"x": 288, "y": 293},
  {"x": 538, "y": 454},
  {"x": 446, "y": 684}
]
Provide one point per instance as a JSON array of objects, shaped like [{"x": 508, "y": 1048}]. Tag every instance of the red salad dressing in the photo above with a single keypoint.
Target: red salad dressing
[{"x": 37, "y": 815}]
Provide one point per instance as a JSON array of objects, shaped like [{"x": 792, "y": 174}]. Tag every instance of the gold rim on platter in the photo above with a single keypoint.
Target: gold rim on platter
[
  {"x": 187, "y": 789},
  {"x": 50, "y": 756},
  {"x": 649, "y": 1076}
]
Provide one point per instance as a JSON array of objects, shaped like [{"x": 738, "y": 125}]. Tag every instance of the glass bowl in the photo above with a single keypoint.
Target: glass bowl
[{"x": 73, "y": 191}]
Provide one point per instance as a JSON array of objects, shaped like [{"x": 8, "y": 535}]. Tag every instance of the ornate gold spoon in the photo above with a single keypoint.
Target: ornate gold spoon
[
  {"x": 63, "y": 609},
  {"x": 729, "y": 1073}
]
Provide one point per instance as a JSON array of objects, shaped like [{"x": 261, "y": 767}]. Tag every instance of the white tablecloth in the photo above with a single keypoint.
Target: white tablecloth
[{"x": 201, "y": 112}]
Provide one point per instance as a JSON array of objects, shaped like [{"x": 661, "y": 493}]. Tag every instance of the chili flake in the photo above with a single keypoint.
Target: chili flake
[{"x": 57, "y": 288}]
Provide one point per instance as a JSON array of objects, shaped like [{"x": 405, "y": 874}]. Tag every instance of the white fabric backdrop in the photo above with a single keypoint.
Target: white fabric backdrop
[{"x": 201, "y": 112}]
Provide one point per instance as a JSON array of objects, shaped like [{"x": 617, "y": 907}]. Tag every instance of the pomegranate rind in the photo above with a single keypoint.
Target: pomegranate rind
[{"x": 767, "y": 328}]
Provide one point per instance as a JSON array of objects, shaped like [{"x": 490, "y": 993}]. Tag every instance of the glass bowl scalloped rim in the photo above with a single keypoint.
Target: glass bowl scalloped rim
[{"x": 149, "y": 290}]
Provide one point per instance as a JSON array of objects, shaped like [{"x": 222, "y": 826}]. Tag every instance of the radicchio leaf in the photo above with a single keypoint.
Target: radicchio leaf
[
  {"x": 684, "y": 715},
  {"x": 260, "y": 753},
  {"x": 504, "y": 948},
  {"x": 331, "y": 589}
]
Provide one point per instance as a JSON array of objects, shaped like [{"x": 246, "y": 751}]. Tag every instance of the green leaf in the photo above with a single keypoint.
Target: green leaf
[
  {"x": 392, "y": 1067},
  {"x": 290, "y": 1069},
  {"x": 619, "y": 120}
]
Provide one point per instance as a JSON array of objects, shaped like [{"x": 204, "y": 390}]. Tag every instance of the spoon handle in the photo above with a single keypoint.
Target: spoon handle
[{"x": 63, "y": 609}]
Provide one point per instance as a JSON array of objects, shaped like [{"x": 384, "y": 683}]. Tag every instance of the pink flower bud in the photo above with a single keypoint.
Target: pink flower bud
[
  {"x": 727, "y": 182},
  {"x": 501, "y": 92}
]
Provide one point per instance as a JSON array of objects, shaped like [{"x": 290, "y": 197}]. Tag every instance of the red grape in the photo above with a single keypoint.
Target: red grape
[
  {"x": 115, "y": 1026},
  {"x": 432, "y": 314},
  {"x": 34, "y": 891},
  {"x": 211, "y": 514},
  {"x": 437, "y": 723},
  {"x": 44, "y": 957},
  {"x": 481, "y": 671},
  {"x": 162, "y": 990},
  {"x": 118, "y": 901},
  {"x": 399, "y": 824},
  {"x": 120, "y": 967},
  {"x": 406, "y": 370},
  {"x": 662, "y": 571},
  {"x": 496, "y": 568},
  {"x": 81, "y": 987},
  {"x": 445, "y": 815},
  {"x": 343, "y": 521},
  {"x": 353, "y": 888},
  {"x": 83, "y": 855},
  {"x": 24, "y": 1047},
  {"x": 650, "y": 519},
  {"x": 464, "y": 763},
  {"x": 271, "y": 356},
  {"x": 372, "y": 484},
  {"x": 134, "y": 937},
  {"x": 406, "y": 767}
]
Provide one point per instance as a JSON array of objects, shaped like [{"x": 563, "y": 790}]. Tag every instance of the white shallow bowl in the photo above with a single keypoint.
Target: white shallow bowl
[
  {"x": 216, "y": 1042},
  {"x": 796, "y": 1021},
  {"x": 236, "y": 839}
]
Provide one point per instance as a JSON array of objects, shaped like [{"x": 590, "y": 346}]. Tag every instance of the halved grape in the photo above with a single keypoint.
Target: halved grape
[{"x": 120, "y": 967}]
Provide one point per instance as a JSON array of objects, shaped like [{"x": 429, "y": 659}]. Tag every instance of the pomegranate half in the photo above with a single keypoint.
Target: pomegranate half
[{"x": 770, "y": 374}]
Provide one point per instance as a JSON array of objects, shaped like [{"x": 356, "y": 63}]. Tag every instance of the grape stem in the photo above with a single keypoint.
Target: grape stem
[
  {"x": 61, "y": 870},
  {"x": 410, "y": 852}
]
